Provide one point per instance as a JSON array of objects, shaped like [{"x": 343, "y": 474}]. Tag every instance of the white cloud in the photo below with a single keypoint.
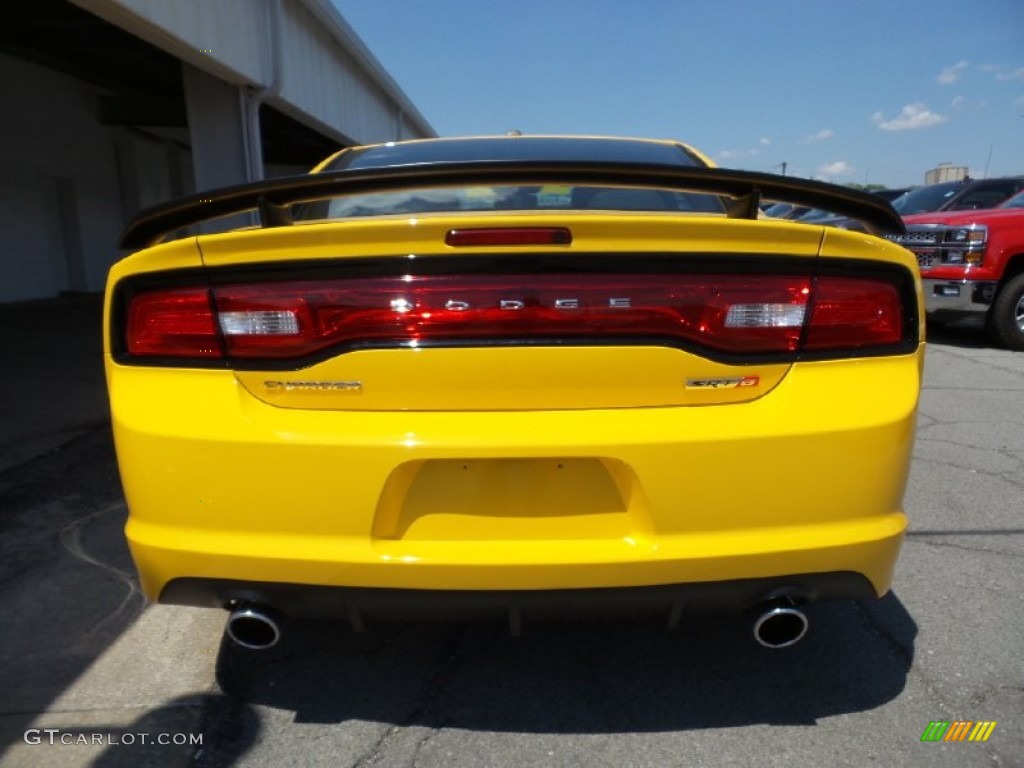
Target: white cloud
[
  {"x": 962, "y": 103},
  {"x": 838, "y": 168},
  {"x": 738, "y": 154},
  {"x": 824, "y": 135},
  {"x": 1011, "y": 74},
  {"x": 950, "y": 75},
  {"x": 1003, "y": 73},
  {"x": 912, "y": 117},
  {"x": 735, "y": 154}
]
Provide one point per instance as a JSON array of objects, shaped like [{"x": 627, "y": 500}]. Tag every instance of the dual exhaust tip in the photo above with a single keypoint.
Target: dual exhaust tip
[
  {"x": 781, "y": 625},
  {"x": 257, "y": 628}
]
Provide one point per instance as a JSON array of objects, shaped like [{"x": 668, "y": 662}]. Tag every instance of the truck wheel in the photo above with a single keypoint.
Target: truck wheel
[{"x": 1006, "y": 317}]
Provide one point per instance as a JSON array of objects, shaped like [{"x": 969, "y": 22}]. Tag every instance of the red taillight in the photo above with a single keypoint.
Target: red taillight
[
  {"x": 497, "y": 236},
  {"x": 733, "y": 315},
  {"x": 172, "y": 323},
  {"x": 853, "y": 313},
  {"x": 685, "y": 309}
]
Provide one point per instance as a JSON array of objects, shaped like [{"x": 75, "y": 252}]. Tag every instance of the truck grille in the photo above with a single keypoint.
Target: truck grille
[
  {"x": 918, "y": 237},
  {"x": 936, "y": 245}
]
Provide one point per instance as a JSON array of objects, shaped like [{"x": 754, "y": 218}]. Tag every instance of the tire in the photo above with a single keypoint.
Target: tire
[{"x": 1006, "y": 317}]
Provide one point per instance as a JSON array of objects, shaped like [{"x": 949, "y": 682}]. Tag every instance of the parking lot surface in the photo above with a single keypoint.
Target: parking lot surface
[{"x": 92, "y": 676}]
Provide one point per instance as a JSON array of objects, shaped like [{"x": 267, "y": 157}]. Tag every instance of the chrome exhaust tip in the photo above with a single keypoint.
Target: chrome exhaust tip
[
  {"x": 780, "y": 626},
  {"x": 254, "y": 627}
]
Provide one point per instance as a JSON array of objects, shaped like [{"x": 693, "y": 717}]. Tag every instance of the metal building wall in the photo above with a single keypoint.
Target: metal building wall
[
  {"x": 322, "y": 79},
  {"x": 325, "y": 77},
  {"x": 229, "y": 37}
]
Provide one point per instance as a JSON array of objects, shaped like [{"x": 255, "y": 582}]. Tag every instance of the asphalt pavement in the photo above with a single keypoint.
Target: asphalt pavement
[
  {"x": 93, "y": 676},
  {"x": 52, "y": 390}
]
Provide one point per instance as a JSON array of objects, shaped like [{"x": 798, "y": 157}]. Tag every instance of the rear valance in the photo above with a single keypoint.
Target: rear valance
[{"x": 744, "y": 191}]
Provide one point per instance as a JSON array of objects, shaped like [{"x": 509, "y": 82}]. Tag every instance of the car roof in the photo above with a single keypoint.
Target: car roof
[
  {"x": 981, "y": 215},
  {"x": 517, "y": 148},
  {"x": 950, "y": 192},
  {"x": 1014, "y": 201}
]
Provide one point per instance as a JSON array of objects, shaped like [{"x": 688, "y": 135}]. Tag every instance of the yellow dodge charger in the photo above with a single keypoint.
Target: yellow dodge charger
[{"x": 516, "y": 376}]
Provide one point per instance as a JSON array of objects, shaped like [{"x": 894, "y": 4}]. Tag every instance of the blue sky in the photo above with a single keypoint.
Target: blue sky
[{"x": 863, "y": 91}]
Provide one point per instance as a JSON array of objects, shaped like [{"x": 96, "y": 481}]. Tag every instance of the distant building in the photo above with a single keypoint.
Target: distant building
[
  {"x": 946, "y": 172},
  {"x": 118, "y": 105}
]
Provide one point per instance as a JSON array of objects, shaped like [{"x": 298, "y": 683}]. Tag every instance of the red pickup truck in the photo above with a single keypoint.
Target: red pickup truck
[{"x": 972, "y": 263}]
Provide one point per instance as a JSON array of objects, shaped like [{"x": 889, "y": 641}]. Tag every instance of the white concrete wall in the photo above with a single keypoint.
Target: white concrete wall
[
  {"x": 60, "y": 204},
  {"x": 30, "y": 235},
  {"x": 68, "y": 184}
]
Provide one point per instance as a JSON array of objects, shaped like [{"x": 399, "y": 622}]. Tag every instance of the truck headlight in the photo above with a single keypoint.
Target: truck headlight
[
  {"x": 965, "y": 245},
  {"x": 975, "y": 234}
]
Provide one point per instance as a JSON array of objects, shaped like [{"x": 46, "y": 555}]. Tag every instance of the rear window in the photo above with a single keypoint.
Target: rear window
[
  {"x": 527, "y": 149},
  {"x": 926, "y": 199},
  {"x": 510, "y": 198},
  {"x": 517, "y": 148},
  {"x": 986, "y": 197},
  {"x": 1017, "y": 201}
]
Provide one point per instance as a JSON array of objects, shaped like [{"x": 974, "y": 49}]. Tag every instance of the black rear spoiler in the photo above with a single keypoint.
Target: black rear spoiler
[{"x": 272, "y": 198}]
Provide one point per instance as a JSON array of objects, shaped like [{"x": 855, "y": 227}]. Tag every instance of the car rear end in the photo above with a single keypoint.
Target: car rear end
[{"x": 515, "y": 413}]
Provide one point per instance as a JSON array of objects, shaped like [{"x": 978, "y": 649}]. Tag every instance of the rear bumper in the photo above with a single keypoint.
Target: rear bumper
[
  {"x": 239, "y": 568},
  {"x": 669, "y": 600},
  {"x": 224, "y": 489}
]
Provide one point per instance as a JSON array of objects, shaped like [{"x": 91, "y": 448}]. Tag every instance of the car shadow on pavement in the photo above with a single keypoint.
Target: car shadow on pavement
[
  {"x": 67, "y": 587},
  {"x": 69, "y": 595},
  {"x": 228, "y": 724},
  {"x": 968, "y": 334},
  {"x": 586, "y": 677}
]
